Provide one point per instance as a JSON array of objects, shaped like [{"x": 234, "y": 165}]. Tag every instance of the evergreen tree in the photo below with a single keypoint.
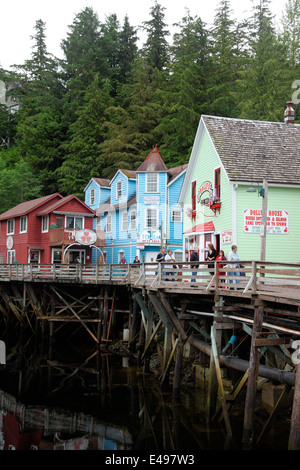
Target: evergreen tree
[
  {"x": 185, "y": 90},
  {"x": 264, "y": 85},
  {"x": 128, "y": 50},
  {"x": 39, "y": 132},
  {"x": 227, "y": 59},
  {"x": 156, "y": 45},
  {"x": 82, "y": 160},
  {"x": 83, "y": 59},
  {"x": 130, "y": 129}
]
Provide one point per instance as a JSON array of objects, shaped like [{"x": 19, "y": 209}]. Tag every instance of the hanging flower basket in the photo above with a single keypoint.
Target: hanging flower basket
[{"x": 215, "y": 204}]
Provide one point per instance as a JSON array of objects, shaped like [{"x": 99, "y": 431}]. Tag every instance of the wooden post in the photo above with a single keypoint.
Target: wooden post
[
  {"x": 295, "y": 424},
  {"x": 105, "y": 313},
  {"x": 253, "y": 372},
  {"x": 177, "y": 368},
  {"x": 212, "y": 379}
]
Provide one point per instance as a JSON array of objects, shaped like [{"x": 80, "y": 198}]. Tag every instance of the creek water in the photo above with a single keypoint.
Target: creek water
[{"x": 95, "y": 400}]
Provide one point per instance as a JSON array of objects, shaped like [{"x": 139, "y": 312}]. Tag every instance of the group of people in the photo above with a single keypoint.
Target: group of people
[
  {"x": 167, "y": 258},
  {"x": 212, "y": 255}
]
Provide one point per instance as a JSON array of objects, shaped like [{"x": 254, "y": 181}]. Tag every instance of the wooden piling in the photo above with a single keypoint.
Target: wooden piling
[
  {"x": 252, "y": 378},
  {"x": 295, "y": 423}
]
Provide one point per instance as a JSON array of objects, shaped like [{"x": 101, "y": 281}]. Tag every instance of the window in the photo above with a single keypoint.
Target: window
[
  {"x": 74, "y": 222},
  {"x": 151, "y": 218},
  {"x": 133, "y": 219},
  {"x": 108, "y": 223},
  {"x": 45, "y": 223},
  {"x": 23, "y": 224},
  {"x": 124, "y": 221},
  {"x": 218, "y": 183},
  {"x": 176, "y": 215},
  {"x": 11, "y": 256},
  {"x": 56, "y": 256},
  {"x": 152, "y": 182},
  {"x": 92, "y": 197},
  {"x": 193, "y": 195},
  {"x": 59, "y": 222},
  {"x": 119, "y": 190},
  {"x": 10, "y": 226}
]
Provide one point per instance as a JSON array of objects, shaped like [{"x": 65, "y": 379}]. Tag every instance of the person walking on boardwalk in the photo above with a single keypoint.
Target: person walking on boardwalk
[
  {"x": 211, "y": 256},
  {"x": 194, "y": 257}
]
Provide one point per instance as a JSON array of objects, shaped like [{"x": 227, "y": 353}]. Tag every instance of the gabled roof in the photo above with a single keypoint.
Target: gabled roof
[
  {"x": 253, "y": 150},
  {"x": 176, "y": 171},
  {"x": 58, "y": 204},
  {"x": 102, "y": 182},
  {"x": 26, "y": 207},
  {"x": 130, "y": 174},
  {"x": 153, "y": 162},
  {"x": 250, "y": 150}
]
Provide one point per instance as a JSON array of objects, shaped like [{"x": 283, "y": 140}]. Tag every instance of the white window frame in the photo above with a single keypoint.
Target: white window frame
[
  {"x": 92, "y": 196},
  {"x": 154, "y": 210},
  {"x": 45, "y": 223},
  {"x": 74, "y": 217},
  {"x": 132, "y": 219},
  {"x": 175, "y": 218},
  {"x": 154, "y": 182},
  {"x": 10, "y": 230},
  {"x": 119, "y": 189},
  {"x": 11, "y": 256},
  {"x": 108, "y": 223},
  {"x": 124, "y": 219},
  {"x": 23, "y": 224}
]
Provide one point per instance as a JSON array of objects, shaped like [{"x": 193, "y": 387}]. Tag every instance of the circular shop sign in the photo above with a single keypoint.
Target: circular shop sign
[
  {"x": 86, "y": 237},
  {"x": 9, "y": 242}
]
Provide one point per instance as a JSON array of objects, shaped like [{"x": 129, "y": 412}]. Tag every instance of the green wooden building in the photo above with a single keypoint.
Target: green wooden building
[{"x": 229, "y": 158}]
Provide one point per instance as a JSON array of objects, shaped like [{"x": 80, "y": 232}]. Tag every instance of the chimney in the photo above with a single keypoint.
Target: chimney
[{"x": 289, "y": 113}]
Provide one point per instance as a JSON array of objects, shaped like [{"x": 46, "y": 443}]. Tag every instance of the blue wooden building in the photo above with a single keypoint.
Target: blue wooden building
[{"x": 139, "y": 210}]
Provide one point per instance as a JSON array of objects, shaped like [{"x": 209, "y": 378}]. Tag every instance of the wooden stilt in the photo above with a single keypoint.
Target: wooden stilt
[
  {"x": 295, "y": 424},
  {"x": 251, "y": 387}
]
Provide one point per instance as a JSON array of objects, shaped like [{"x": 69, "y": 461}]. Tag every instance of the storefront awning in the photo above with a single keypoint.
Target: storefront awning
[
  {"x": 35, "y": 246},
  {"x": 206, "y": 227}
]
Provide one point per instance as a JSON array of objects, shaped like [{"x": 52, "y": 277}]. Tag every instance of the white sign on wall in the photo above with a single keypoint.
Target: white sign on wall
[
  {"x": 277, "y": 221},
  {"x": 147, "y": 237},
  {"x": 226, "y": 237}
]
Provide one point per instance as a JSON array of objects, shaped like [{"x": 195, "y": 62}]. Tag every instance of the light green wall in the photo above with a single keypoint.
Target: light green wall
[
  {"x": 207, "y": 161},
  {"x": 279, "y": 247}
]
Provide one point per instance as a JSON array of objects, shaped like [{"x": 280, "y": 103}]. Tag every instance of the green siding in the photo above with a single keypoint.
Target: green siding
[
  {"x": 279, "y": 247},
  {"x": 207, "y": 161}
]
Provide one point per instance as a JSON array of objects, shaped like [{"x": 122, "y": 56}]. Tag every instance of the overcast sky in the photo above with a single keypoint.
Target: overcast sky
[{"x": 18, "y": 19}]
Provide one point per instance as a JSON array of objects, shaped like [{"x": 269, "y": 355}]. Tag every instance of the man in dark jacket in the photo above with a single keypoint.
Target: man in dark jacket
[
  {"x": 194, "y": 257},
  {"x": 161, "y": 256}
]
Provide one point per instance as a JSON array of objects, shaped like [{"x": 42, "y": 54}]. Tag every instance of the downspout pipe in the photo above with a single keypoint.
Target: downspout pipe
[{"x": 236, "y": 363}]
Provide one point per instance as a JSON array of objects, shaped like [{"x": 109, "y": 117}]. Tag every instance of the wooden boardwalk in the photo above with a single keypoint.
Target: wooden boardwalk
[
  {"x": 200, "y": 306},
  {"x": 267, "y": 280}
]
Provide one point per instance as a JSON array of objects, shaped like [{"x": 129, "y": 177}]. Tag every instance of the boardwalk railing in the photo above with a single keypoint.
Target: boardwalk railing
[{"x": 248, "y": 277}]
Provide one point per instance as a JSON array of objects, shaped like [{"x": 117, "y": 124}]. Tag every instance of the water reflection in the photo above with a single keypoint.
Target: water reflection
[{"x": 104, "y": 401}]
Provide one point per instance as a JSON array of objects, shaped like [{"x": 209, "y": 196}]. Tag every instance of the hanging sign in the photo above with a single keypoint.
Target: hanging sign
[
  {"x": 86, "y": 237},
  {"x": 277, "y": 221},
  {"x": 205, "y": 187},
  {"x": 226, "y": 237},
  {"x": 9, "y": 242},
  {"x": 151, "y": 238}
]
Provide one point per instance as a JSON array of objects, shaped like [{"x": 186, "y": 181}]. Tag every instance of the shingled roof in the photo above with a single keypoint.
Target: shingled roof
[
  {"x": 153, "y": 162},
  {"x": 253, "y": 150},
  {"x": 25, "y": 207}
]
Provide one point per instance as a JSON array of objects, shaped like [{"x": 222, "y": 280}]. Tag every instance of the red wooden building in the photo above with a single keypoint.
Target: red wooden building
[{"x": 50, "y": 229}]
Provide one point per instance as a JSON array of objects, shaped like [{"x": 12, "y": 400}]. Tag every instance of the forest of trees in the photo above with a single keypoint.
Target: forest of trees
[{"x": 108, "y": 101}]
